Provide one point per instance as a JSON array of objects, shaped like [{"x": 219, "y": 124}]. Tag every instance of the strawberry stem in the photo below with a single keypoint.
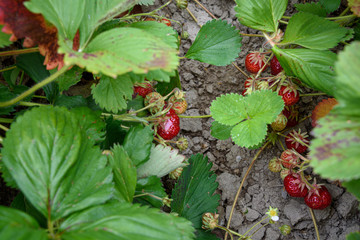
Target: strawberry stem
[
  {"x": 245, "y": 234},
  {"x": 6, "y": 120},
  {"x": 8, "y": 69},
  {"x": 311, "y": 94},
  {"x": 39, "y": 85},
  {"x": 18, "y": 52},
  {"x": 242, "y": 183},
  {"x": 315, "y": 225},
  {"x": 4, "y": 128},
  {"x": 201, "y": 116},
  {"x": 228, "y": 231}
]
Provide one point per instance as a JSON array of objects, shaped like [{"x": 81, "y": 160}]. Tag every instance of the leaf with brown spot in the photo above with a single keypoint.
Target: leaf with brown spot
[
  {"x": 335, "y": 151},
  {"x": 22, "y": 23}
]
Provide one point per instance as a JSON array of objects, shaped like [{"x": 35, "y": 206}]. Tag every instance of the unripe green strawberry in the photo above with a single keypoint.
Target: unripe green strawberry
[
  {"x": 280, "y": 123},
  {"x": 176, "y": 173},
  {"x": 179, "y": 105},
  {"x": 152, "y": 98},
  {"x": 285, "y": 229},
  {"x": 182, "y": 144},
  {"x": 275, "y": 165},
  {"x": 182, "y": 4}
]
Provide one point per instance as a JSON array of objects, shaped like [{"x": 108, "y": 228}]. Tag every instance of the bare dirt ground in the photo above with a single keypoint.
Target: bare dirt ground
[{"x": 203, "y": 83}]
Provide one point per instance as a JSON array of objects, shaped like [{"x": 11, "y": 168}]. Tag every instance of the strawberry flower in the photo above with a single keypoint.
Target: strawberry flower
[{"x": 273, "y": 214}]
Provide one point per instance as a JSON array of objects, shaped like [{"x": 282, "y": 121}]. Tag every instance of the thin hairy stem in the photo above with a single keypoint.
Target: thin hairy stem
[
  {"x": 18, "y": 52},
  {"x": 242, "y": 183},
  {"x": 315, "y": 225}
]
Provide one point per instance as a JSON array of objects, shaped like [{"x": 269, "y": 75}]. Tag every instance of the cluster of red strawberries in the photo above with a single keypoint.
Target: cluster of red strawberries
[
  {"x": 285, "y": 87},
  {"x": 167, "y": 124},
  {"x": 291, "y": 169}
]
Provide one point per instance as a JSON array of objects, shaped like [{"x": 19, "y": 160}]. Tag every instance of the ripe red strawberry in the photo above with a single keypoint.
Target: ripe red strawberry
[
  {"x": 254, "y": 61},
  {"x": 166, "y": 21},
  {"x": 280, "y": 123},
  {"x": 179, "y": 105},
  {"x": 292, "y": 114},
  {"x": 275, "y": 66},
  {"x": 318, "y": 198},
  {"x": 289, "y": 159},
  {"x": 294, "y": 186},
  {"x": 289, "y": 94},
  {"x": 297, "y": 141},
  {"x": 169, "y": 126},
  {"x": 143, "y": 89}
]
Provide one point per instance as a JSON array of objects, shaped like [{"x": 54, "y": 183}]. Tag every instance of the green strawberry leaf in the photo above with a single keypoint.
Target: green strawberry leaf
[
  {"x": 11, "y": 76},
  {"x": 91, "y": 122},
  {"x": 193, "y": 194},
  {"x": 353, "y": 236},
  {"x": 125, "y": 221},
  {"x": 111, "y": 94},
  {"x": 228, "y": 109},
  {"x": 5, "y": 95},
  {"x": 124, "y": 173},
  {"x": 33, "y": 65},
  {"x": 313, "y": 8},
  {"x": 4, "y": 38},
  {"x": 164, "y": 88},
  {"x": 151, "y": 185},
  {"x": 69, "y": 78},
  {"x": 66, "y": 20},
  {"x": 330, "y": 5},
  {"x": 313, "y": 67},
  {"x": 353, "y": 186},
  {"x": 247, "y": 116},
  {"x": 146, "y": 2},
  {"x": 15, "y": 224},
  {"x": 220, "y": 131},
  {"x": 162, "y": 161},
  {"x": 217, "y": 43},
  {"x": 54, "y": 163},
  {"x": 336, "y": 146},
  {"x": 201, "y": 234},
  {"x": 126, "y": 49},
  {"x": 347, "y": 68},
  {"x": 313, "y": 32},
  {"x": 263, "y": 15},
  {"x": 137, "y": 144}
]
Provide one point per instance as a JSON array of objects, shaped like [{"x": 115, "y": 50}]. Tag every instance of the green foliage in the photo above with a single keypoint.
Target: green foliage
[
  {"x": 262, "y": 15},
  {"x": 6, "y": 95},
  {"x": 336, "y": 147},
  {"x": 32, "y": 64},
  {"x": 124, "y": 173},
  {"x": 54, "y": 164},
  {"x": 162, "y": 161},
  {"x": 125, "y": 221},
  {"x": 11, "y": 76},
  {"x": 137, "y": 144},
  {"x": 127, "y": 49},
  {"x": 217, "y": 43},
  {"x": 193, "y": 194},
  {"x": 313, "y": 32},
  {"x": 247, "y": 115},
  {"x": 313, "y": 8},
  {"x": 111, "y": 93},
  {"x": 337, "y": 138},
  {"x": 69, "y": 78},
  {"x": 220, "y": 131},
  {"x": 165, "y": 88},
  {"x": 15, "y": 224},
  {"x": 353, "y": 186},
  {"x": 91, "y": 122},
  {"x": 151, "y": 185},
  {"x": 312, "y": 67},
  {"x": 347, "y": 69},
  {"x": 4, "y": 38},
  {"x": 330, "y": 5},
  {"x": 353, "y": 236},
  {"x": 201, "y": 234}
]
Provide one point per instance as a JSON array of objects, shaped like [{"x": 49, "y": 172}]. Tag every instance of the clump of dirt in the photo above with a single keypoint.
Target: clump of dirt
[{"x": 203, "y": 83}]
